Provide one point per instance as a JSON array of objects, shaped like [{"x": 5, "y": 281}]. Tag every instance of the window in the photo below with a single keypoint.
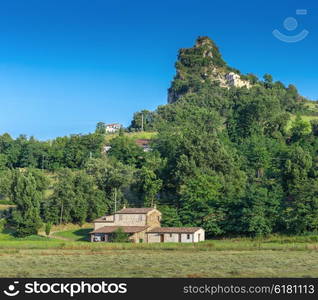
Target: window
[
  {"x": 120, "y": 217},
  {"x": 188, "y": 236},
  {"x": 170, "y": 234}
]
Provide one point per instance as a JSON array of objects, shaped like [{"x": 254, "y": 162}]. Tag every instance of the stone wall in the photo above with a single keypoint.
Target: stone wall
[
  {"x": 130, "y": 220},
  {"x": 199, "y": 236},
  {"x": 153, "y": 237},
  {"x": 154, "y": 219},
  {"x": 137, "y": 237}
]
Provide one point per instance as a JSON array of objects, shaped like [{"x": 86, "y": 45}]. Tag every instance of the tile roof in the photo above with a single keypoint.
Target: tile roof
[
  {"x": 104, "y": 219},
  {"x": 134, "y": 210},
  {"x": 142, "y": 142},
  {"x": 126, "y": 229},
  {"x": 174, "y": 230},
  {"x": 113, "y": 124}
]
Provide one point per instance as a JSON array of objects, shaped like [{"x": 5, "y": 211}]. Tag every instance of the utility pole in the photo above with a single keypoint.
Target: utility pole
[
  {"x": 61, "y": 216},
  {"x": 115, "y": 198},
  {"x": 142, "y": 122}
]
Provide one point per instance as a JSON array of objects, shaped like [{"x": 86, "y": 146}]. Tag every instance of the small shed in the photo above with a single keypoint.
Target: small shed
[{"x": 176, "y": 235}]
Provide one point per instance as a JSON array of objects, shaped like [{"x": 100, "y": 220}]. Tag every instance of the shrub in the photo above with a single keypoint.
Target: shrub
[
  {"x": 48, "y": 227},
  {"x": 119, "y": 236}
]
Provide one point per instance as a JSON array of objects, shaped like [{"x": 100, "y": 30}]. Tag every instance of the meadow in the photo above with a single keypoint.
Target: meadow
[
  {"x": 67, "y": 253},
  {"x": 132, "y": 135}
]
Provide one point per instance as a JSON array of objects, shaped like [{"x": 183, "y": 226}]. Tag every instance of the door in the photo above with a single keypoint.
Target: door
[
  {"x": 179, "y": 237},
  {"x": 162, "y": 238}
]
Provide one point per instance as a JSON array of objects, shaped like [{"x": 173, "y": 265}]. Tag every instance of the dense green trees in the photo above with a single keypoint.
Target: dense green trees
[
  {"x": 62, "y": 152},
  {"x": 126, "y": 151},
  {"x": 75, "y": 199}
]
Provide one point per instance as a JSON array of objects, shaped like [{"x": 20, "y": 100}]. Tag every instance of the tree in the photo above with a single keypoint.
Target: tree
[
  {"x": 142, "y": 121},
  {"x": 200, "y": 203},
  {"x": 75, "y": 199},
  {"x": 268, "y": 80},
  {"x": 253, "y": 79},
  {"x": 48, "y": 227},
  {"x": 300, "y": 128},
  {"x": 126, "y": 151},
  {"x": 300, "y": 213},
  {"x": 170, "y": 217},
  {"x": 149, "y": 186},
  {"x": 100, "y": 128},
  {"x": 26, "y": 195},
  {"x": 259, "y": 211},
  {"x": 113, "y": 178},
  {"x": 58, "y": 209},
  {"x": 3, "y": 161},
  {"x": 5, "y": 183}
]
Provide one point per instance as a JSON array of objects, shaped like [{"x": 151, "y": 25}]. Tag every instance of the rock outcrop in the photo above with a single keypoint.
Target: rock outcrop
[{"x": 202, "y": 64}]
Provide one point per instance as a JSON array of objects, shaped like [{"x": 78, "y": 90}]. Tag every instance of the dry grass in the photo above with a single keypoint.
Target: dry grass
[
  {"x": 67, "y": 255},
  {"x": 5, "y": 206},
  {"x": 157, "y": 263}
]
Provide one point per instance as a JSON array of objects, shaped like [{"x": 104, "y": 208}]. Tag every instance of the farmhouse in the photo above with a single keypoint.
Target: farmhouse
[{"x": 143, "y": 226}]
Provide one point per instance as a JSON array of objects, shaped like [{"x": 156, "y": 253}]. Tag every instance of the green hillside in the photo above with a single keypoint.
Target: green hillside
[{"x": 132, "y": 135}]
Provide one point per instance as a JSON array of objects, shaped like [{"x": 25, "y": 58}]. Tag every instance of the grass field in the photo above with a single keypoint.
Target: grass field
[
  {"x": 132, "y": 135},
  {"x": 304, "y": 117},
  {"x": 68, "y": 254},
  {"x": 157, "y": 263}
]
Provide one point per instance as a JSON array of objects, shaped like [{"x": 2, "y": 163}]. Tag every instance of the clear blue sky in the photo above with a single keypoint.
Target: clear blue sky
[{"x": 65, "y": 65}]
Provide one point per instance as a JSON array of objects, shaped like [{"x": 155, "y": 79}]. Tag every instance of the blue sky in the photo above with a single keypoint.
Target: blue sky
[{"x": 65, "y": 65}]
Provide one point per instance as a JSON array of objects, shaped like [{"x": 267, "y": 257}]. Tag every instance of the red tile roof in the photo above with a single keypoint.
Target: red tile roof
[
  {"x": 174, "y": 230},
  {"x": 113, "y": 124},
  {"x": 126, "y": 229},
  {"x": 142, "y": 142},
  {"x": 135, "y": 210}
]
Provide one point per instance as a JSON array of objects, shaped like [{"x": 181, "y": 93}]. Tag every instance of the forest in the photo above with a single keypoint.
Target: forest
[{"x": 236, "y": 161}]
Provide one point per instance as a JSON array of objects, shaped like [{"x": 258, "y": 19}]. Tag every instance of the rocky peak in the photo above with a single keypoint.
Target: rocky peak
[{"x": 199, "y": 65}]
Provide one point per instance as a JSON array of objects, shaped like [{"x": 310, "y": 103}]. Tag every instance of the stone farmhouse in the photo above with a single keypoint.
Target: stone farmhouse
[{"x": 143, "y": 226}]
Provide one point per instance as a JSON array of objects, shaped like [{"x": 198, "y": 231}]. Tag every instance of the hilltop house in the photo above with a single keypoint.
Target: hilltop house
[
  {"x": 111, "y": 128},
  {"x": 143, "y": 226},
  {"x": 144, "y": 144}
]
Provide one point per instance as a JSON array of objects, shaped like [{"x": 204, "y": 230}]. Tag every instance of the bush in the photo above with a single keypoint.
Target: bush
[
  {"x": 119, "y": 236},
  {"x": 3, "y": 223},
  {"x": 48, "y": 227}
]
